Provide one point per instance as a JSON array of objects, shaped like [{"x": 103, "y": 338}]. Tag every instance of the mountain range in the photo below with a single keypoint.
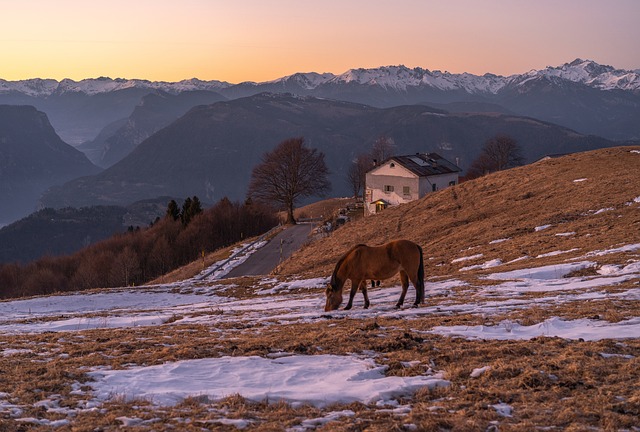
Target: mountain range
[
  {"x": 582, "y": 95},
  {"x": 587, "y": 72},
  {"x": 211, "y": 150}
]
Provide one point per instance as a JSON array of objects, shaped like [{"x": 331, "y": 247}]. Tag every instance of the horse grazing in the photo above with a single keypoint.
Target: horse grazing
[{"x": 363, "y": 262}]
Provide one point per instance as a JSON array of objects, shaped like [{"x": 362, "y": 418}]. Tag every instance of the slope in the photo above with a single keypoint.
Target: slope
[
  {"x": 155, "y": 111},
  {"x": 33, "y": 158},
  {"x": 546, "y": 212}
]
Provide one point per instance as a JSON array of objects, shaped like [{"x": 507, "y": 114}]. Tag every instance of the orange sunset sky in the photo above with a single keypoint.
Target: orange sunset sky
[{"x": 260, "y": 40}]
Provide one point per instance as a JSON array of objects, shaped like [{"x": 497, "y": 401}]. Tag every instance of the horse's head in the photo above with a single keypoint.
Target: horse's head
[{"x": 334, "y": 297}]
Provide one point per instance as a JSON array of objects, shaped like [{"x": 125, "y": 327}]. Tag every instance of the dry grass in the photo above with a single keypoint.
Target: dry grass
[
  {"x": 465, "y": 219},
  {"x": 548, "y": 381},
  {"x": 551, "y": 383}
]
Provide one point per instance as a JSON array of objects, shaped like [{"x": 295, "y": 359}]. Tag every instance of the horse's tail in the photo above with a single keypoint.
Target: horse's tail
[{"x": 420, "y": 287}]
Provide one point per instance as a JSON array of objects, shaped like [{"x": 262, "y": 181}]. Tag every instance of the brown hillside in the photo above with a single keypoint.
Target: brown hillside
[{"x": 565, "y": 193}]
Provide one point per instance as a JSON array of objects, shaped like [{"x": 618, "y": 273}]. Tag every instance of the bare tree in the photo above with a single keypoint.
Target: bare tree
[
  {"x": 382, "y": 149},
  {"x": 288, "y": 173},
  {"x": 126, "y": 267},
  {"x": 356, "y": 175},
  {"x": 498, "y": 153}
]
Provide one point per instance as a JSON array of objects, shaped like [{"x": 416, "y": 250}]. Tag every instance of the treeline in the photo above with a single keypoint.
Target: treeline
[{"x": 140, "y": 255}]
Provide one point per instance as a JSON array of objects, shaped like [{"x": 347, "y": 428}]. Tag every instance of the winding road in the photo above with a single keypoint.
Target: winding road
[{"x": 279, "y": 248}]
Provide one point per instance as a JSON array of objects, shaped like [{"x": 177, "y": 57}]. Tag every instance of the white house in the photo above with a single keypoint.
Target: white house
[{"x": 401, "y": 179}]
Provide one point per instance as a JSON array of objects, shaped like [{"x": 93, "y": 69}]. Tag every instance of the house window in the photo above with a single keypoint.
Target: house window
[
  {"x": 388, "y": 188},
  {"x": 406, "y": 190},
  {"x": 452, "y": 183},
  {"x": 434, "y": 187},
  {"x": 392, "y": 165}
]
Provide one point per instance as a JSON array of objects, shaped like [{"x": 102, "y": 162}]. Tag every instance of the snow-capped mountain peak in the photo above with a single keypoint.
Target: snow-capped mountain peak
[
  {"x": 93, "y": 86},
  {"x": 592, "y": 74},
  {"x": 395, "y": 78},
  {"x": 307, "y": 81}
]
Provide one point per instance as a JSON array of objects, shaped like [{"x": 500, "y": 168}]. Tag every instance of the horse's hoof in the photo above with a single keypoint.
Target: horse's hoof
[
  {"x": 347, "y": 307},
  {"x": 416, "y": 305}
]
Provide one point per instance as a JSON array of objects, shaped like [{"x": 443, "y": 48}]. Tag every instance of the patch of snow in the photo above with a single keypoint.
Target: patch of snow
[
  {"x": 479, "y": 371},
  {"x": 581, "y": 329},
  {"x": 602, "y": 210},
  {"x": 321, "y": 421},
  {"x": 555, "y": 271},
  {"x": 11, "y": 352},
  {"x": 488, "y": 264},
  {"x": 295, "y": 284},
  {"x": 555, "y": 253},
  {"x": 626, "y": 248},
  {"x": 467, "y": 258},
  {"x": 542, "y": 227},
  {"x": 237, "y": 423},
  {"x": 319, "y": 380},
  {"x": 503, "y": 409},
  {"x": 499, "y": 240},
  {"x": 624, "y": 356},
  {"x": 580, "y": 180}
]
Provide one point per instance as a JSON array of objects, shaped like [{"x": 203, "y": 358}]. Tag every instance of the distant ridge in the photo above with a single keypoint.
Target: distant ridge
[
  {"x": 32, "y": 159},
  {"x": 398, "y": 77},
  {"x": 583, "y": 95},
  {"x": 211, "y": 150}
]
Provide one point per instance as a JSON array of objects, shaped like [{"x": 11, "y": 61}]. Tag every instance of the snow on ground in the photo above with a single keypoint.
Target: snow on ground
[
  {"x": 584, "y": 329},
  {"x": 302, "y": 379},
  {"x": 319, "y": 380}
]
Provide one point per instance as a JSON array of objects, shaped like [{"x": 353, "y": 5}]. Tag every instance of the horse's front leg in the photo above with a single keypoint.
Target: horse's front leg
[
  {"x": 354, "y": 288},
  {"x": 363, "y": 287},
  {"x": 405, "y": 286}
]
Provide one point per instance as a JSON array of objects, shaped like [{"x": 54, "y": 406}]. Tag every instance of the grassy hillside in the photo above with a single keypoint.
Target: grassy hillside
[
  {"x": 585, "y": 194},
  {"x": 519, "y": 352}
]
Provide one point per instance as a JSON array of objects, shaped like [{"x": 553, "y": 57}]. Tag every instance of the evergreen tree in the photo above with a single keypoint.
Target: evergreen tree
[
  {"x": 185, "y": 216},
  {"x": 173, "y": 211},
  {"x": 195, "y": 207}
]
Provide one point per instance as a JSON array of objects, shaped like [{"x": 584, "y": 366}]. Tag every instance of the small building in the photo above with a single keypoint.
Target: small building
[{"x": 401, "y": 179}]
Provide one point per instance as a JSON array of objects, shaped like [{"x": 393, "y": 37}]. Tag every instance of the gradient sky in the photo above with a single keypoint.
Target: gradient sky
[{"x": 259, "y": 40}]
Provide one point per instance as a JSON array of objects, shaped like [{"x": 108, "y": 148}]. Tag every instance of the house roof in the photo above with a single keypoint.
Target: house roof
[{"x": 426, "y": 164}]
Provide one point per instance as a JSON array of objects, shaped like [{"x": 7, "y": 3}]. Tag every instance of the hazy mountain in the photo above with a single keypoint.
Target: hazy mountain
[
  {"x": 32, "y": 158},
  {"x": 211, "y": 150},
  {"x": 79, "y": 110},
  {"x": 583, "y": 95},
  {"x": 155, "y": 111}
]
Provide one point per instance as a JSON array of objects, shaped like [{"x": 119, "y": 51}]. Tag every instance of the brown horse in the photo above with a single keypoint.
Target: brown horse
[{"x": 363, "y": 262}]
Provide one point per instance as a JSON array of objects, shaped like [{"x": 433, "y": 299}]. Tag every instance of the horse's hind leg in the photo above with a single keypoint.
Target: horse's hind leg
[
  {"x": 363, "y": 287},
  {"x": 419, "y": 286},
  {"x": 405, "y": 286},
  {"x": 354, "y": 288}
]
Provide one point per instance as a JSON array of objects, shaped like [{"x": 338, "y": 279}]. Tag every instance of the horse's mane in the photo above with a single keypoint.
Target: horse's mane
[{"x": 334, "y": 276}]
